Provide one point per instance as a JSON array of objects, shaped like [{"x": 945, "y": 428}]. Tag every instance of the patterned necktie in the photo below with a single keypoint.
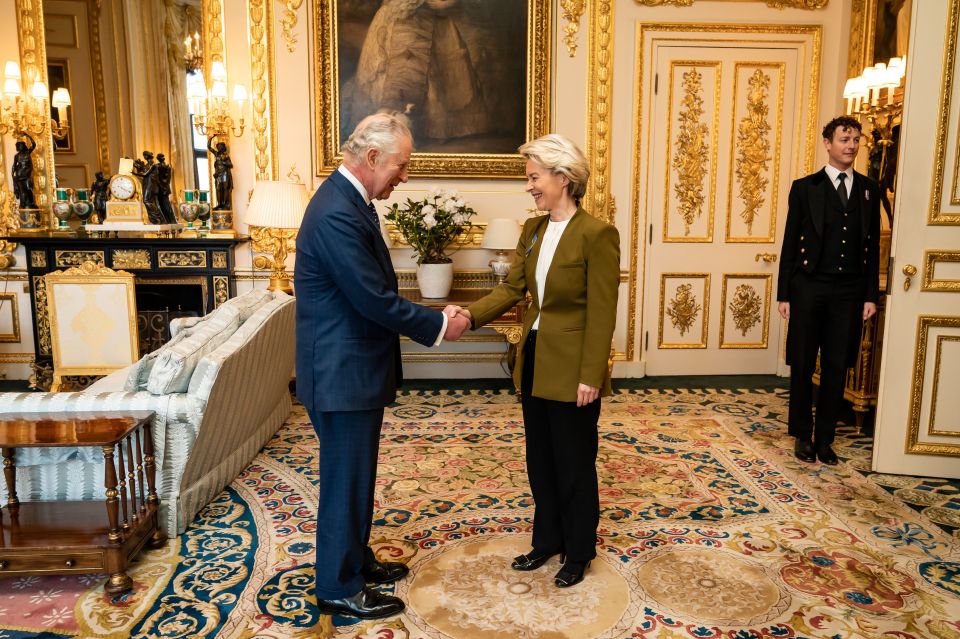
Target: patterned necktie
[
  {"x": 842, "y": 189},
  {"x": 373, "y": 215}
]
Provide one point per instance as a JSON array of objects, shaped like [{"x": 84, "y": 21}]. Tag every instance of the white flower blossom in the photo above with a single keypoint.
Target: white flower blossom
[
  {"x": 460, "y": 203},
  {"x": 460, "y": 218},
  {"x": 449, "y": 206},
  {"x": 429, "y": 209},
  {"x": 433, "y": 193},
  {"x": 429, "y": 221}
]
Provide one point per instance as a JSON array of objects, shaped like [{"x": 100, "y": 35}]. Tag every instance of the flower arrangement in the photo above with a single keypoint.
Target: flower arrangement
[{"x": 432, "y": 224}]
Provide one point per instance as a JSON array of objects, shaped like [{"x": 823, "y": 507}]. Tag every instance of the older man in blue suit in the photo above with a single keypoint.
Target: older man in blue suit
[{"x": 349, "y": 317}]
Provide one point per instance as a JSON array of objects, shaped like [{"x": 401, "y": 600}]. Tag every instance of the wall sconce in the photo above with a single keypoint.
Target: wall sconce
[
  {"x": 211, "y": 109},
  {"x": 276, "y": 208},
  {"x": 502, "y": 235},
  {"x": 193, "y": 53},
  {"x": 20, "y": 113}
]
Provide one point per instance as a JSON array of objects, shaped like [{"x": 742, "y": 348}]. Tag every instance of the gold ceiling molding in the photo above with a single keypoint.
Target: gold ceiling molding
[
  {"x": 289, "y": 23},
  {"x": 263, "y": 85},
  {"x": 935, "y": 215},
  {"x": 599, "y": 85},
  {"x": 693, "y": 150},
  {"x": 33, "y": 66},
  {"x": 753, "y": 145},
  {"x": 572, "y": 11}
]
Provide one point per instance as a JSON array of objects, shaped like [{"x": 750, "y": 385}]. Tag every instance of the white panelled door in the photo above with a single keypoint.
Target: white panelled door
[
  {"x": 917, "y": 428},
  {"x": 726, "y": 125}
]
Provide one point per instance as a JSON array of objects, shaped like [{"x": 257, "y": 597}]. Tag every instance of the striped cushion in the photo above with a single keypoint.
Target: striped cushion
[
  {"x": 174, "y": 366},
  {"x": 244, "y": 304},
  {"x": 139, "y": 373}
]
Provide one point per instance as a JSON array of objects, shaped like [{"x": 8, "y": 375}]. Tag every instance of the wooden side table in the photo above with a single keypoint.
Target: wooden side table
[{"x": 82, "y": 536}]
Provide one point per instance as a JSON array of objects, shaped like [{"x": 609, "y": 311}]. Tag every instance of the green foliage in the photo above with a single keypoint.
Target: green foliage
[{"x": 432, "y": 224}]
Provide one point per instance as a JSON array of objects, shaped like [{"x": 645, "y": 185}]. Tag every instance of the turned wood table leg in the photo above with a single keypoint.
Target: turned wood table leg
[
  {"x": 113, "y": 501},
  {"x": 10, "y": 476},
  {"x": 159, "y": 537}
]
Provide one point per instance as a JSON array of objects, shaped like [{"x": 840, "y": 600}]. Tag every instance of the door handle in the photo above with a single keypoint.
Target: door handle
[
  {"x": 909, "y": 270},
  {"x": 766, "y": 257}
]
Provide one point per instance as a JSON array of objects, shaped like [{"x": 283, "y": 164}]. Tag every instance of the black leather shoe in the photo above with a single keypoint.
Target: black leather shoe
[
  {"x": 366, "y": 604},
  {"x": 571, "y": 574},
  {"x": 384, "y": 572},
  {"x": 826, "y": 455},
  {"x": 534, "y": 559},
  {"x": 803, "y": 450}
]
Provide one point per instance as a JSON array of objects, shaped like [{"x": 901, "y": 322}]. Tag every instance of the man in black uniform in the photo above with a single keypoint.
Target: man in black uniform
[{"x": 828, "y": 284}]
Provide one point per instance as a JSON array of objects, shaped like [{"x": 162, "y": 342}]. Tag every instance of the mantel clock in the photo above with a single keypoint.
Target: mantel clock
[{"x": 125, "y": 199}]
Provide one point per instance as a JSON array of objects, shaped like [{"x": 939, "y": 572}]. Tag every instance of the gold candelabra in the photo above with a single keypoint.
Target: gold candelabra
[
  {"x": 212, "y": 113},
  {"x": 193, "y": 53},
  {"x": 29, "y": 113}
]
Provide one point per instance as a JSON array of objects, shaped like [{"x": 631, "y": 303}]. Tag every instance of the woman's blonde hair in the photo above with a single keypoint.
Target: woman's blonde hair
[{"x": 559, "y": 155}]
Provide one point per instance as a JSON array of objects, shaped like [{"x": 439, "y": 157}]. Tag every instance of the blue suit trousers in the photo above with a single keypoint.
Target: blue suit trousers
[{"x": 349, "y": 445}]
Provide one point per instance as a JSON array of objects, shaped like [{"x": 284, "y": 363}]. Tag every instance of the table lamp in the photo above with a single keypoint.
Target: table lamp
[
  {"x": 277, "y": 209},
  {"x": 501, "y": 235}
]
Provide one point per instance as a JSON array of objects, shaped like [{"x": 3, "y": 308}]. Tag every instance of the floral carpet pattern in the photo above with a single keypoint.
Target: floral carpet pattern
[{"x": 710, "y": 528}]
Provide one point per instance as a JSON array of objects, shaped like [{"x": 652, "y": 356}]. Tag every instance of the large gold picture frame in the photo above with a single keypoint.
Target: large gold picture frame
[
  {"x": 506, "y": 58},
  {"x": 93, "y": 320}
]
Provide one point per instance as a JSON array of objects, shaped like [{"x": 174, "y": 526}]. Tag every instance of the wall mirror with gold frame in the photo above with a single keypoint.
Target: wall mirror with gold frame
[{"x": 127, "y": 78}]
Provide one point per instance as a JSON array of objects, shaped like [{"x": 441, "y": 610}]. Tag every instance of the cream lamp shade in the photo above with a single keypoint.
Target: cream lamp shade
[
  {"x": 278, "y": 205},
  {"x": 278, "y": 208},
  {"x": 501, "y": 235}
]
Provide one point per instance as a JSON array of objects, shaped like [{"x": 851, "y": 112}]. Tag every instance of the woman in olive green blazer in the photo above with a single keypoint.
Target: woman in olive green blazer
[{"x": 569, "y": 263}]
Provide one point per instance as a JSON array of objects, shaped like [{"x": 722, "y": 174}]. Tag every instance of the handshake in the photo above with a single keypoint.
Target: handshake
[{"x": 458, "y": 321}]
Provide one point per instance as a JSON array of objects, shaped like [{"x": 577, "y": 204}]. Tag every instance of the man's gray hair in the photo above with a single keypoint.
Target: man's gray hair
[{"x": 380, "y": 131}]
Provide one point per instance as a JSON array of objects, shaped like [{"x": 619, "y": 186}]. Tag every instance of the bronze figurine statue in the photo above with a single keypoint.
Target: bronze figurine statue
[
  {"x": 147, "y": 170},
  {"x": 98, "y": 191},
  {"x": 164, "y": 189},
  {"x": 23, "y": 173},
  {"x": 222, "y": 175}
]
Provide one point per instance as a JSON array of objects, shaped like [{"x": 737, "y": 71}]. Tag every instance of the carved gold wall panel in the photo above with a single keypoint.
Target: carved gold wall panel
[
  {"x": 599, "y": 88},
  {"x": 934, "y": 402},
  {"x": 757, "y": 120},
  {"x": 289, "y": 23},
  {"x": 182, "y": 259},
  {"x": 948, "y": 277},
  {"x": 219, "y": 259},
  {"x": 38, "y": 259},
  {"x": 945, "y": 422},
  {"x": 572, "y": 10},
  {"x": 66, "y": 259},
  {"x": 40, "y": 313},
  {"x": 690, "y": 170},
  {"x": 745, "y": 310},
  {"x": 9, "y": 318},
  {"x": 946, "y": 211},
  {"x": 684, "y": 310},
  {"x": 221, "y": 290},
  {"x": 263, "y": 78},
  {"x": 131, "y": 258}
]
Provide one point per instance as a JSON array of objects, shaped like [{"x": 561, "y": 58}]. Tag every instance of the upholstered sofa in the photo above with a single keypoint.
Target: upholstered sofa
[{"x": 219, "y": 389}]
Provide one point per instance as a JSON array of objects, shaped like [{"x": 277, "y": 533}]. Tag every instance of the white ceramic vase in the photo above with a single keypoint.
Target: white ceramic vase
[{"x": 435, "y": 280}]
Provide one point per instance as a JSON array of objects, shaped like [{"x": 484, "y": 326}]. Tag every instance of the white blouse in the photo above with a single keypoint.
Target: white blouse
[{"x": 548, "y": 246}]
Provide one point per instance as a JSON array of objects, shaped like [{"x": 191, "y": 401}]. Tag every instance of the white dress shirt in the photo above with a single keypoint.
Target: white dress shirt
[
  {"x": 548, "y": 246},
  {"x": 833, "y": 172},
  {"x": 345, "y": 172}
]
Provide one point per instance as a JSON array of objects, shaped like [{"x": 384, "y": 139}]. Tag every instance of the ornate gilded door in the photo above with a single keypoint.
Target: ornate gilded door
[
  {"x": 726, "y": 129},
  {"x": 918, "y": 417}
]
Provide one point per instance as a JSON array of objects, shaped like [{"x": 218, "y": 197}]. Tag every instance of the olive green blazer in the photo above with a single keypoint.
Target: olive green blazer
[{"x": 578, "y": 310}]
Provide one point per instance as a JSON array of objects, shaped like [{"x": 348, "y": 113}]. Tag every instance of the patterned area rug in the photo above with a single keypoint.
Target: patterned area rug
[{"x": 710, "y": 528}]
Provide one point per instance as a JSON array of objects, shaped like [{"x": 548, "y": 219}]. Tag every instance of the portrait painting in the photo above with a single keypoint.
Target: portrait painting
[{"x": 472, "y": 77}]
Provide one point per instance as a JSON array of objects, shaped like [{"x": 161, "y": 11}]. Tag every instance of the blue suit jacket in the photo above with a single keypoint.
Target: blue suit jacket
[{"x": 349, "y": 313}]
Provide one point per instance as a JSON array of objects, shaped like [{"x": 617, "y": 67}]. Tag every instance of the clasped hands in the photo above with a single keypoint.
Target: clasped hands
[
  {"x": 458, "y": 321},
  {"x": 586, "y": 394}
]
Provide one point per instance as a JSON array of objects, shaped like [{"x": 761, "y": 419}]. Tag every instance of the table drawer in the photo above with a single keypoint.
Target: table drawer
[{"x": 53, "y": 561}]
